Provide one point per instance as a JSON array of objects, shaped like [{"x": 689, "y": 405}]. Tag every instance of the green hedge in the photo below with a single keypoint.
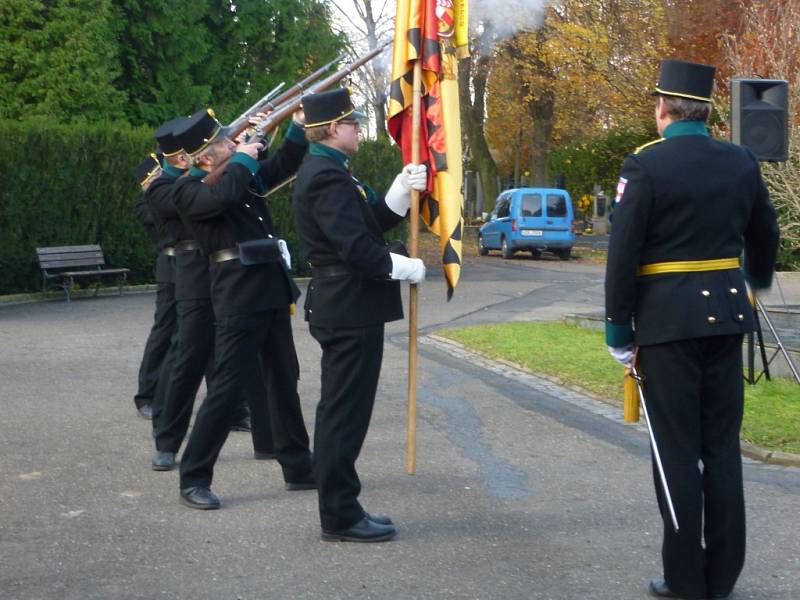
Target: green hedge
[{"x": 72, "y": 184}]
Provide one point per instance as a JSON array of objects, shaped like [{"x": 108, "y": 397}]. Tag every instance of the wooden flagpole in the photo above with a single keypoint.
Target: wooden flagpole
[{"x": 413, "y": 239}]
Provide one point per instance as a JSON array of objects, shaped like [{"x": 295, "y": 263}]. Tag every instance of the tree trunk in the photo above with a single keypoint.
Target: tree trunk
[
  {"x": 472, "y": 118},
  {"x": 541, "y": 110}
]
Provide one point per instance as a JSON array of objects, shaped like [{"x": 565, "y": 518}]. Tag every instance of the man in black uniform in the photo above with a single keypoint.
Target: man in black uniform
[
  {"x": 191, "y": 352},
  {"x": 251, "y": 293},
  {"x": 164, "y": 321},
  {"x": 354, "y": 290},
  {"x": 687, "y": 206}
]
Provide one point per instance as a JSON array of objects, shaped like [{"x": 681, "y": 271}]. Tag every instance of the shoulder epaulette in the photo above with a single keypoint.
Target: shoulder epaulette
[{"x": 648, "y": 144}]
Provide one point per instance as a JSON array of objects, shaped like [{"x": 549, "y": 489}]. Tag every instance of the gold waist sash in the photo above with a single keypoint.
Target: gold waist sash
[{"x": 688, "y": 266}]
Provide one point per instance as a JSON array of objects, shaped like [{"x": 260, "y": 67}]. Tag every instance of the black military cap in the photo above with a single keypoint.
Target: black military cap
[
  {"x": 166, "y": 141},
  {"x": 330, "y": 106},
  {"x": 147, "y": 169},
  {"x": 196, "y": 132},
  {"x": 686, "y": 80}
]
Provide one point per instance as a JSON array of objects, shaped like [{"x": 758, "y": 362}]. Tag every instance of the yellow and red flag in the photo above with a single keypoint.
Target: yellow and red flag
[{"x": 436, "y": 33}]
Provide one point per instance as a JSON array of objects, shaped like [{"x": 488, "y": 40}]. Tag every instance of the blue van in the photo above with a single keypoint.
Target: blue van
[{"x": 533, "y": 219}]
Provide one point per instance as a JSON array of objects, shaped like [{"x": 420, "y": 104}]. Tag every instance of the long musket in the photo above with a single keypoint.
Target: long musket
[
  {"x": 270, "y": 101},
  {"x": 263, "y": 101},
  {"x": 287, "y": 108},
  {"x": 654, "y": 446}
]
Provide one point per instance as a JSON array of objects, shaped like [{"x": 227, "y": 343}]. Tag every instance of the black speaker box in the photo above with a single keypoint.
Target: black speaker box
[{"x": 759, "y": 117}]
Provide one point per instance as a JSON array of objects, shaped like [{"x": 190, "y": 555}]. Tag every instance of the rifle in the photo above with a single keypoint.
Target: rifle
[
  {"x": 269, "y": 102},
  {"x": 294, "y": 98}
]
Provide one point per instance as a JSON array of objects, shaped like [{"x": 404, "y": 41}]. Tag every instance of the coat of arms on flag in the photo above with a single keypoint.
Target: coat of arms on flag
[{"x": 434, "y": 32}]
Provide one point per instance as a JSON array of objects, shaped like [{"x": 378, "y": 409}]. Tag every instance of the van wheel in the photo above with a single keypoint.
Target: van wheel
[
  {"x": 482, "y": 250},
  {"x": 505, "y": 249},
  {"x": 564, "y": 253}
]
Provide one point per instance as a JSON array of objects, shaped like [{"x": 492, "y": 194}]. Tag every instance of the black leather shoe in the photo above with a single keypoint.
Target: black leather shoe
[
  {"x": 145, "y": 411},
  {"x": 364, "y": 531},
  {"x": 164, "y": 461},
  {"x": 659, "y": 589},
  {"x": 242, "y": 424},
  {"x": 264, "y": 455},
  {"x": 719, "y": 596},
  {"x": 201, "y": 498},
  {"x": 379, "y": 519},
  {"x": 306, "y": 483}
]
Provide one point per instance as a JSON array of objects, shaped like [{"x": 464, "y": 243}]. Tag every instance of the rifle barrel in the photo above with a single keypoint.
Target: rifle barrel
[{"x": 288, "y": 107}]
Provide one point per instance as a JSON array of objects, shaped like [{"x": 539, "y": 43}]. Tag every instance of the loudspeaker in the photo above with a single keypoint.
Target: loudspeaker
[{"x": 759, "y": 117}]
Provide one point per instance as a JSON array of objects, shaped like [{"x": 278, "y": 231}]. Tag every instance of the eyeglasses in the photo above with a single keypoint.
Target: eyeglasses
[{"x": 355, "y": 124}]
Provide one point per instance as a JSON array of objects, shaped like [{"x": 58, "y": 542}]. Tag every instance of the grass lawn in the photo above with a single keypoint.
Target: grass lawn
[{"x": 578, "y": 356}]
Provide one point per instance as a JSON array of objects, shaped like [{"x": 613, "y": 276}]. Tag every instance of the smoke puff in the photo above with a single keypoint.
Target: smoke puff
[{"x": 503, "y": 18}]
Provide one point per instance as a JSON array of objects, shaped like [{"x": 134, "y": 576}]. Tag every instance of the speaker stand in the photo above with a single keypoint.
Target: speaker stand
[{"x": 751, "y": 378}]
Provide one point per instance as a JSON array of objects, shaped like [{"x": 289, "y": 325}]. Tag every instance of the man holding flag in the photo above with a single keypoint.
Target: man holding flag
[{"x": 354, "y": 290}]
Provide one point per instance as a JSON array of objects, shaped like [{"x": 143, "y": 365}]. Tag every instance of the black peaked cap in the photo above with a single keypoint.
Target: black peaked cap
[
  {"x": 327, "y": 107},
  {"x": 164, "y": 136},
  {"x": 694, "y": 81},
  {"x": 146, "y": 168},
  {"x": 197, "y": 131}
]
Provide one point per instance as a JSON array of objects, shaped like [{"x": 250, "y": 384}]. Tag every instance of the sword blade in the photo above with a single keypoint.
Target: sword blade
[{"x": 656, "y": 454}]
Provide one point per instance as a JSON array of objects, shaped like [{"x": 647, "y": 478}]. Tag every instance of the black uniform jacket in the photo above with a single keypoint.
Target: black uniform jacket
[
  {"x": 165, "y": 265},
  {"x": 227, "y": 213},
  {"x": 340, "y": 227},
  {"x": 687, "y": 198},
  {"x": 191, "y": 266}
]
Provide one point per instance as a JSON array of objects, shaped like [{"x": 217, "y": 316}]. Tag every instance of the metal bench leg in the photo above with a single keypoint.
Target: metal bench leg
[
  {"x": 67, "y": 285},
  {"x": 122, "y": 281}
]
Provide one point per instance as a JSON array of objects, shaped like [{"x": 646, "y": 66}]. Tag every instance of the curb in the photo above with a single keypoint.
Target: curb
[
  {"x": 36, "y": 297},
  {"x": 749, "y": 450},
  {"x": 54, "y": 295}
]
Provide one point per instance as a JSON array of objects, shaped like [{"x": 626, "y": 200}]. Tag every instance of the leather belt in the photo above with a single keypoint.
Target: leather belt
[
  {"x": 329, "y": 271},
  {"x": 224, "y": 255},
  {"x": 688, "y": 266},
  {"x": 168, "y": 251},
  {"x": 187, "y": 245}
]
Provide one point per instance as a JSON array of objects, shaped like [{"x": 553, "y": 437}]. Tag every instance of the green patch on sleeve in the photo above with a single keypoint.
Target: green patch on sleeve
[{"x": 618, "y": 335}]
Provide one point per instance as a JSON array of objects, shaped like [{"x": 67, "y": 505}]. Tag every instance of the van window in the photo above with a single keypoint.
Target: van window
[
  {"x": 556, "y": 205},
  {"x": 531, "y": 205},
  {"x": 503, "y": 206}
]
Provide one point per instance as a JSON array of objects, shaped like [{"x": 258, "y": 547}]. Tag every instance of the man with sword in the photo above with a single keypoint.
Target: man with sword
[{"x": 687, "y": 207}]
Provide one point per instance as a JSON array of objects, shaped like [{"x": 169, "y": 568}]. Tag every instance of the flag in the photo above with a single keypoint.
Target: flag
[{"x": 436, "y": 33}]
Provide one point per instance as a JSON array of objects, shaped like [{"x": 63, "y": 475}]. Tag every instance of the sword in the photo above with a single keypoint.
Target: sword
[{"x": 662, "y": 476}]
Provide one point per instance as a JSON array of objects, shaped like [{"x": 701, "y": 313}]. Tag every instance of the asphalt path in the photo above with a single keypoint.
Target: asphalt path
[{"x": 518, "y": 494}]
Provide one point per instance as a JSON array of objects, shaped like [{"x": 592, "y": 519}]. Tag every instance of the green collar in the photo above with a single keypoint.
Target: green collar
[
  {"x": 318, "y": 149},
  {"x": 171, "y": 171},
  {"x": 685, "y": 128},
  {"x": 197, "y": 172}
]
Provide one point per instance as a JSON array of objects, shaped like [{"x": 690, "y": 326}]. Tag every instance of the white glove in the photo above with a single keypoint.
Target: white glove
[
  {"x": 407, "y": 269},
  {"x": 398, "y": 198},
  {"x": 623, "y": 354},
  {"x": 287, "y": 258},
  {"x": 415, "y": 177}
]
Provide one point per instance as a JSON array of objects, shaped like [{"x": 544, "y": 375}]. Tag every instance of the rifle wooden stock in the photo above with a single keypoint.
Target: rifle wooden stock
[{"x": 281, "y": 111}]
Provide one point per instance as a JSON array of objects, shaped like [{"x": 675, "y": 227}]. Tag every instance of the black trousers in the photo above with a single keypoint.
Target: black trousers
[
  {"x": 351, "y": 365},
  {"x": 158, "y": 342},
  {"x": 695, "y": 396},
  {"x": 252, "y": 351},
  {"x": 191, "y": 356}
]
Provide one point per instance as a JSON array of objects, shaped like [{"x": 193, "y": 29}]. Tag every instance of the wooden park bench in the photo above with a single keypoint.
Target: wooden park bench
[{"x": 65, "y": 264}]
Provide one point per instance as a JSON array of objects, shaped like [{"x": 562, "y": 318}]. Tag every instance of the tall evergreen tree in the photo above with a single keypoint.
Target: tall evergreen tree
[
  {"x": 264, "y": 42},
  {"x": 163, "y": 50},
  {"x": 58, "y": 59}
]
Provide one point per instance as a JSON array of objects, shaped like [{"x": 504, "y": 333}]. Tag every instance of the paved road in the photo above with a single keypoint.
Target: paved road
[{"x": 518, "y": 494}]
